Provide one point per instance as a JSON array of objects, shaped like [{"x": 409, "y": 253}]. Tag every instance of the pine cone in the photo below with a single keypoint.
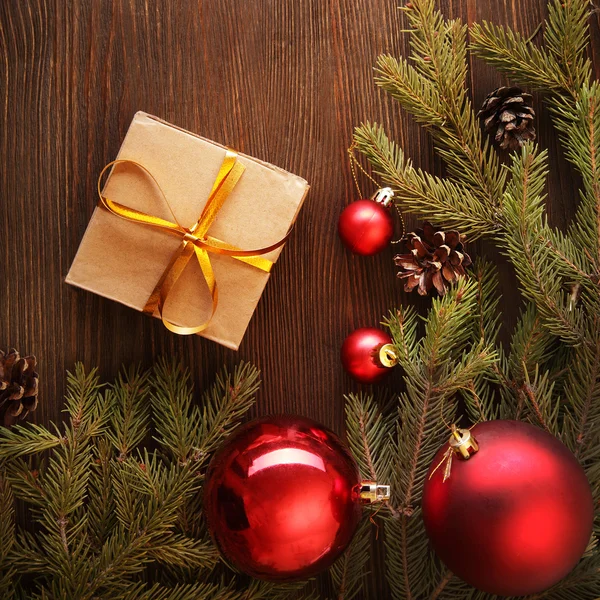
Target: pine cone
[
  {"x": 18, "y": 386},
  {"x": 507, "y": 115},
  {"x": 436, "y": 259}
]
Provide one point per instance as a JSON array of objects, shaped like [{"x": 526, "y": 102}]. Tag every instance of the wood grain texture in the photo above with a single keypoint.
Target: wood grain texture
[{"x": 282, "y": 80}]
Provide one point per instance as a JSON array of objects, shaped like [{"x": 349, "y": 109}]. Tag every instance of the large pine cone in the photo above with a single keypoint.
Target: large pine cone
[
  {"x": 508, "y": 116},
  {"x": 18, "y": 386},
  {"x": 436, "y": 259}
]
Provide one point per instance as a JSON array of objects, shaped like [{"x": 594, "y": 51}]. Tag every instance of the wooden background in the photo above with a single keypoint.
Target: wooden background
[{"x": 283, "y": 80}]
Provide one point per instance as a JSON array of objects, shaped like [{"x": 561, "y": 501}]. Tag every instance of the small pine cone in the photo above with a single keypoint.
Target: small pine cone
[
  {"x": 18, "y": 387},
  {"x": 436, "y": 259},
  {"x": 507, "y": 115}
]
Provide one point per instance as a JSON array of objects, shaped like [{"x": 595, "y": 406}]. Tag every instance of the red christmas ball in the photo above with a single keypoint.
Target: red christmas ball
[
  {"x": 366, "y": 227},
  {"x": 514, "y": 518},
  {"x": 360, "y": 354},
  {"x": 282, "y": 498}
]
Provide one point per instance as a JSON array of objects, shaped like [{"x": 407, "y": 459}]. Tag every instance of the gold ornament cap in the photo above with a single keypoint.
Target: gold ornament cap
[
  {"x": 463, "y": 443},
  {"x": 387, "y": 356},
  {"x": 372, "y": 492},
  {"x": 383, "y": 196}
]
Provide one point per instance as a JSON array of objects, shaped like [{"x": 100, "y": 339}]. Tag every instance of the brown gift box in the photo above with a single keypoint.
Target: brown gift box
[{"x": 123, "y": 261}]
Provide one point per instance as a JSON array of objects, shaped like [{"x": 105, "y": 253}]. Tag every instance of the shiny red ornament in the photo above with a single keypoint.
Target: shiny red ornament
[
  {"x": 514, "y": 518},
  {"x": 361, "y": 354},
  {"x": 366, "y": 227},
  {"x": 282, "y": 498}
]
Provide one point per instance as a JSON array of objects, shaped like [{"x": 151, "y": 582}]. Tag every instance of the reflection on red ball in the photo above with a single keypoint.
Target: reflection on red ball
[
  {"x": 360, "y": 354},
  {"x": 281, "y": 498},
  {"x": 516, "y": 517},
  {"x": 366, "y": 227}
]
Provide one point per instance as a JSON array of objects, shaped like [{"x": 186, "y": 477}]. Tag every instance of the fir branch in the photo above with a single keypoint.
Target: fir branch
[
  {"x": 348, "y": 571},
  {"x": 406, "y": 557},
  {"x": 530, "y": 345},
  {"x": 226, "y": 402},
  {"x": 369, "y": 432},
  {"x": 518, "y": 58},
  {"x": 579, "y": 126},
  {"x": 439, "y": 52},
  {"x": 65, "y": 486},
  {"x": 534, "y": 264},
  {"x": 442, "y": 585},
  {"x": 128, "y": 400},
  {"x": 583, "y": 411},
  {"x": 486, "y": 317},
  {"x": 190, "y": 433},
  {"x": 435, "y": 199},
  {"x": 8, "y": 572},
  {"x": 538, "y": 395},
  {"x": 566, "y": 38},
  {"x": 23, "y": 440},
  {"x": 479, "y": 393},
  {"x": 265, "y": 590},
  {"x": 175, "y": 420},
  {"x": 25, "y": 482},
  {"x": 195, "y": 591},
  {"x": 403, "y": 328},
  {"x": 85, "y": 405},
  {"x": 430, "y": 381},
  {"x": 101, "y": 510}
]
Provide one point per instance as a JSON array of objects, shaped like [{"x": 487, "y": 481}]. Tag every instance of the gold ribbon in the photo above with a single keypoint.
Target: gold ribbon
[{"x": 194, "y": 240}]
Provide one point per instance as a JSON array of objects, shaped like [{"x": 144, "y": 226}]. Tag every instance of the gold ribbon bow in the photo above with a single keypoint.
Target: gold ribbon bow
[{"x": 194, "y": 240}]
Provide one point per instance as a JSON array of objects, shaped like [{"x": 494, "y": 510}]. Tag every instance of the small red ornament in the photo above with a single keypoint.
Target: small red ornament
[
  {"x": 515, "y": 517},
  {"x": 368, "y": 354},
  {"x": 282, "y": 498},
  {"x": 366, "y": 226}
]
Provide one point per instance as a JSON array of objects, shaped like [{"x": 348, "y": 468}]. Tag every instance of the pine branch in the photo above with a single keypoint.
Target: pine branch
[
  {"x": 437, "y": 200},
  {"x": 196, "y": 591},
  {"x": 190, "y": 433},
  {"x": 566, "y": 38},
  {"x": 403, "y": 328},
  {"x": 431, "y": 379},
  {"x": 534, "y": 264},
  {"x": 479, "y": 393},
  {"x": 407, "y": 557},
  {"x": 537, "y": 392},
  {"x": 530, "y": 346},
  {"x": 515, "y": 56},
  {"x": 264, "y": 590},
  {"x": 348, "y": 571},
  {"x": 583, "y": 411},
  {"x": 128, "y": 400},
  {"x": 101, "y": 509},
  {"x": 85, "y": 405},
  {"x": 8, "y": 573},
  {"x": 369, "y": 432},
  {"x": 439, "y": 53},
  {"x": 486, "y": 317},
  {"x": 23, "y": 440},
  {"x": 579, "y": 126}
]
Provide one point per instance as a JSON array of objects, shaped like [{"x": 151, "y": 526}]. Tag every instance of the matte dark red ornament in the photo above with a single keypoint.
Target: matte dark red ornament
[
  {"x": 366, "y": 226},
  {"x": 282, "y": 498},
  {"x": 362, "y": 357},
  {"x": 516, "y": 516}
]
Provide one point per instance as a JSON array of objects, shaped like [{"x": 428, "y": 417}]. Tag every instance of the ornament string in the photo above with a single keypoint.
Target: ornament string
[
  {"x": 195, "y": 240},
  {"x": 355, "y": 164}
]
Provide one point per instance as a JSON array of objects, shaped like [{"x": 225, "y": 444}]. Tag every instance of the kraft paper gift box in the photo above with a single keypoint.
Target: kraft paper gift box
[{"x": 123, "y": 260}]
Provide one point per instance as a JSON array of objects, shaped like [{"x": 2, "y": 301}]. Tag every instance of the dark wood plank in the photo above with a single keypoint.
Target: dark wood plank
[{"x": 285, "y": 81}]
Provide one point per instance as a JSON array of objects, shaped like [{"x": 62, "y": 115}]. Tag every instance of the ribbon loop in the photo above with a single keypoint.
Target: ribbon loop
[{"x": 194, "y": 239}]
